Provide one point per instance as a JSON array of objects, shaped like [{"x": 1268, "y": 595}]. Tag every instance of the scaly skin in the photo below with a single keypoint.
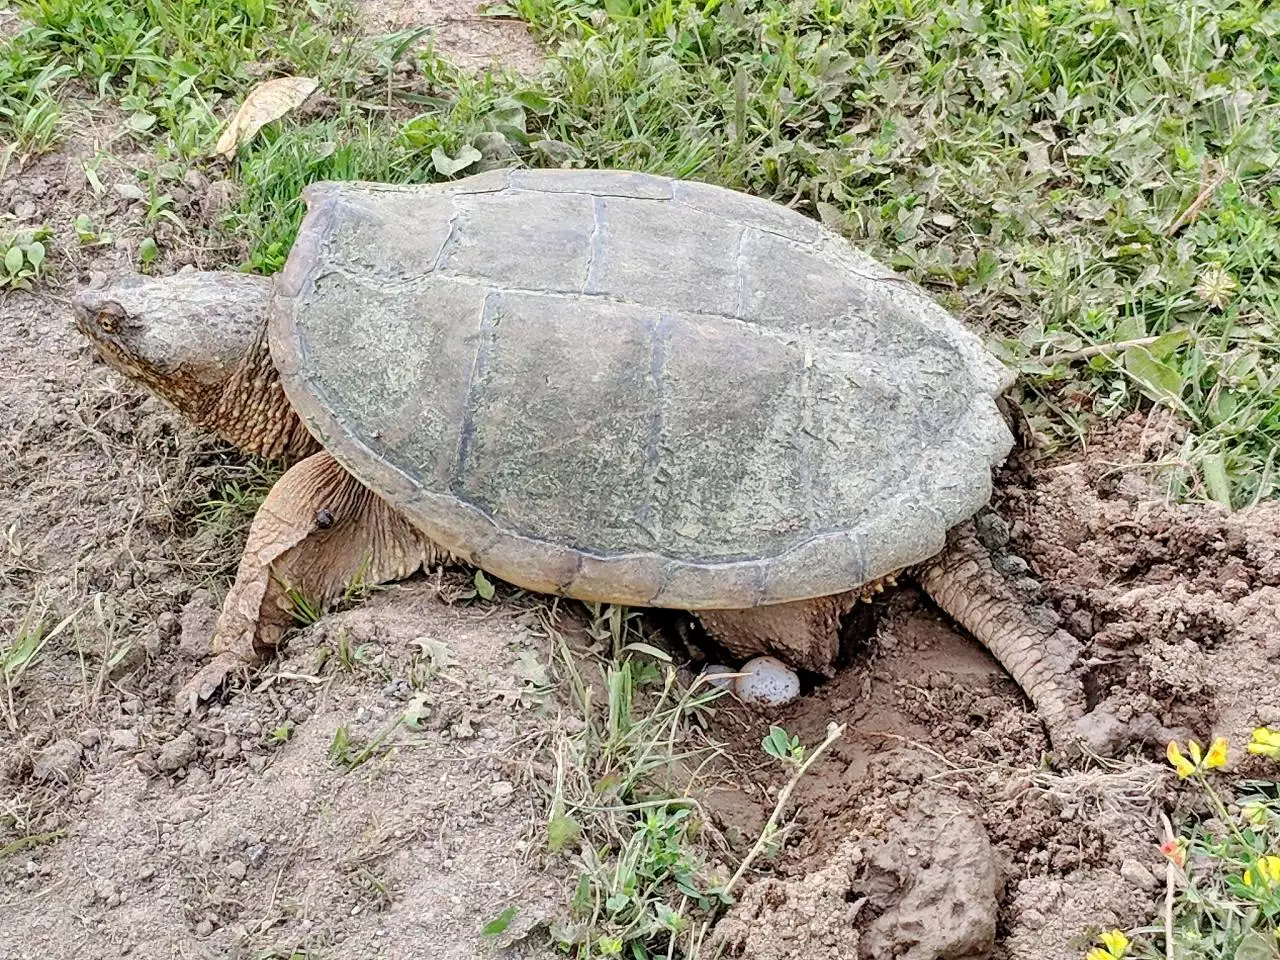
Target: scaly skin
[
  {"x": 318, "y": 532},
  {"x": 198, "y": 341},
  {"x": 964, "y": 583},
  {"x": 253, "y": 412}
]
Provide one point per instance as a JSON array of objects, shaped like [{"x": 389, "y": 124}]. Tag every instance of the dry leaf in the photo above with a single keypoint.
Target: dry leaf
[{"x": 265, "y": 103}]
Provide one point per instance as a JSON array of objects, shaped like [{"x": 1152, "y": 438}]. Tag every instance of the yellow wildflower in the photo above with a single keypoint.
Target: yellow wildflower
[
  {"x": 1266, "y": 742},
  {"x": 1114, "y": 946},
  {"x": 1217, "y": 755},
  {"x": 1180, "y": 763},
  {"x": 1198, "y": 759},
  {"x": 1268, "y": 873}
]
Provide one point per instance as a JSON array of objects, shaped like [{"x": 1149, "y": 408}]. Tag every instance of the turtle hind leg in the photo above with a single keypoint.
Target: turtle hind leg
[
  {"x": 964, "y": 582},
  {"x": 804, "y": 634},
  {"x": 318, "y": 533}
]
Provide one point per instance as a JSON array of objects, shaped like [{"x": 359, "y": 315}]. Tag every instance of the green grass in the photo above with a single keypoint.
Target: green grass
[{"x": 21, "y": 647}]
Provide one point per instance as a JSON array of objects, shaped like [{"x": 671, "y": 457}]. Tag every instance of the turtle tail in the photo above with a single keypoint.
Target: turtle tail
[{"x": 964, "y": 582}]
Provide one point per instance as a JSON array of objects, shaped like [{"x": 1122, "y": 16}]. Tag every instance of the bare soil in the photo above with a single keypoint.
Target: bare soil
[
  {"x": 460, "y": 31},
  {"x": 931, "y": 829}
]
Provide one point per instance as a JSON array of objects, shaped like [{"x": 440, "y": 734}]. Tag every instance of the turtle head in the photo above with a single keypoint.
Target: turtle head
[{"x": 184, "y": 337}]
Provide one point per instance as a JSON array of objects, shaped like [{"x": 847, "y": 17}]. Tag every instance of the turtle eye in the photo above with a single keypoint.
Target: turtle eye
[{"x": 109, "y": 317}]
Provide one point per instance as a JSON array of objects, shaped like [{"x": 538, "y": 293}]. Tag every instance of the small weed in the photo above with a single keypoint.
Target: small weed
[
  {"x": 620, "y": 808},
  {"x": 352, "y": 658},
  {"x": 359, "y": 589},
  {"x": 302, "y": 608},
  {"x": 781, "y": 746},
  {"x": 148, "y": 251},
  {"x": 21, "y": 650},
  {"x": 377, "y": 890},
  {"x": 89, "y": 235},
  {"x": 280, "y": 735},
  {"x": 22, "y": 844},
  {"x": 481, "y": 587},
  {"x": 345, "y": 754},
  {"x": 1223, "y": 871},
  {"x": 499, "y": 924},
  {"x": 24, "y": 256},
  {"x": 426, "y": 660},
  {"x": 340, "y": 747},
  {"x": 234, "y": 502}
]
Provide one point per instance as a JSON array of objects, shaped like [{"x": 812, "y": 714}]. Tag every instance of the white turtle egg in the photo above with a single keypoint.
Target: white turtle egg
[
  {"x": 767, "y": 682},
  {"x": 718, "y": 675}
]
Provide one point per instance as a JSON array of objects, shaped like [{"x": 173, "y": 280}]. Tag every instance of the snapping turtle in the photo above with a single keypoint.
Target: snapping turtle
[{"x": 604, "y": 385}]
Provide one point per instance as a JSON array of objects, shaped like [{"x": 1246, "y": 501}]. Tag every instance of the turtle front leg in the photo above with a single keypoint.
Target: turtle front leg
[
  {"x": 804, "y": 634},
  {"x": 318, "y": 532},
  {"x": 964, "y": 582}
]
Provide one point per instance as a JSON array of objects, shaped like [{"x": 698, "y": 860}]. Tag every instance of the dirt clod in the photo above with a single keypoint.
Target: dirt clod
[
  {"x": 926, "y": 889},
  {"x": 178, "y": 752},
  {"x": 58, "y": 762},
  {"x": 199, "y": 616}
]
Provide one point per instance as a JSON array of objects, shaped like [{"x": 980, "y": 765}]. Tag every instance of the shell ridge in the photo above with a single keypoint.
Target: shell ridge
[
  {"x": 592, "y": 282},
  {"x": 417, "y": 284},
  {"x": 486, "y": 341},
  {"x": 741, "y": 294},
  {"x": 451, "y": 239},
  {"x": 648, "y": 518}
]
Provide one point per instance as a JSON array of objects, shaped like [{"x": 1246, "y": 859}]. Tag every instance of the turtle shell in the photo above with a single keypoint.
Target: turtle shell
[{"x": 631, "y": 389}]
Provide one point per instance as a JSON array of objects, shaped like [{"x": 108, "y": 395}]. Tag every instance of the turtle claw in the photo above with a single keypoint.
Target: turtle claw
[{"x": 207, "y": 681}]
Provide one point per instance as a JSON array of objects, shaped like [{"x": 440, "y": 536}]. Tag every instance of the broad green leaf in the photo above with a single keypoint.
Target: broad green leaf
[
  {"x": 1167, "y": 344},
  {"x": 531, "y": 100},
  {"x": 13, "y": 260},
  {"x": 1161, "y": 381},
  {"x": 147, "y": 250},
  {"x": 483, "y": 586},
  {"x": 779, "y": 743},
  {"x": 35, "y": 253},
  {"x": 447, "y": 166},
  {"x": 1131, "y": 327}
]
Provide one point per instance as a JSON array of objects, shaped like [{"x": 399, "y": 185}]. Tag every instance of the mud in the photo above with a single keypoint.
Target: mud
[{"x": 1178, "y": 606}]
